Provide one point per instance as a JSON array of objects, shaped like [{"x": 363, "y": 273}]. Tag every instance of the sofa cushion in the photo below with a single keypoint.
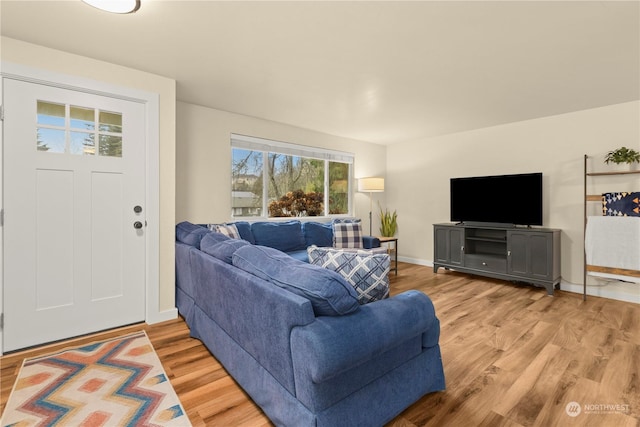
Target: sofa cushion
[
  {"x": 190, "y": 234},
  {"x": 366, "y": 271},
  {"x": 300, "y": 255},
  {"x": 329, "y": 293},
  {"x": 347, "y": 234},
  {"x": 212, "y": 238},
  {"x": 284, "y": 236},
  {"x": 225, "y": 249},
  {"x": 316, "y": 233}
]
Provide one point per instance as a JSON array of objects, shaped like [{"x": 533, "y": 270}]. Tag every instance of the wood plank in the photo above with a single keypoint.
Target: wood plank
[{"x": 512, "y": 355}]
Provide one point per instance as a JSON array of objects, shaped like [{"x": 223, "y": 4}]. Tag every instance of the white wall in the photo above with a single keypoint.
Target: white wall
[
  {"x": 30, "y": 55},
  {"x": 204, "y": 159},
  {"x": 418, "y": 173}
]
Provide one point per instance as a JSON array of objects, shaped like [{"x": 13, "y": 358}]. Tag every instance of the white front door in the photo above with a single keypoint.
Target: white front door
[{"x": 74, "y": 214}]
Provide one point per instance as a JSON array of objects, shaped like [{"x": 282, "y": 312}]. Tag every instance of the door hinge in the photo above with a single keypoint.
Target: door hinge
[
  {"x": 1, "y": 217},
  {"x": 1, "y": 112},
  {"x": 1, "y": 321}
]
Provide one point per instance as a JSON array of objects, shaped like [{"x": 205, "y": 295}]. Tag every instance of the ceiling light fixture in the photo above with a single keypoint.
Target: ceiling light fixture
[{"x": 115, "y": 6}]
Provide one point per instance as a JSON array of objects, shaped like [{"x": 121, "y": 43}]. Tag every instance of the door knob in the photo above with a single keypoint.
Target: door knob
[
  {"x": 137, "y": 209},
  {"x": 137, "y": 225}
]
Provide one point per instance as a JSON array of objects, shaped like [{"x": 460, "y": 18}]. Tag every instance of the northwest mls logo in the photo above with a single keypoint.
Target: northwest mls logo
[{"x": 573, "y": 409}]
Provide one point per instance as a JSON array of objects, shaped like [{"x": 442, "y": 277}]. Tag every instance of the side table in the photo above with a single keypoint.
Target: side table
[{"x": 390, "y": 249}]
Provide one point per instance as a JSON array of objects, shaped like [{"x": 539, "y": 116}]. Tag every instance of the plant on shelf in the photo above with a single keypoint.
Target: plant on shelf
[
  {"x": 622, "y": 155},
  {"x": 388, "y": 222}
]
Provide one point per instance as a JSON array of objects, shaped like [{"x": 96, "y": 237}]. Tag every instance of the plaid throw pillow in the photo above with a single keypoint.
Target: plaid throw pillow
[
  {"x": 347, "y": 235},
  {"x": 229, "y": 230},
  {"x": 367, "y": 272}
]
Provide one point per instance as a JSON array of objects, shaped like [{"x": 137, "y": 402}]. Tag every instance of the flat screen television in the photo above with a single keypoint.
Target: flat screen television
[{"x": 498, "y": 199}]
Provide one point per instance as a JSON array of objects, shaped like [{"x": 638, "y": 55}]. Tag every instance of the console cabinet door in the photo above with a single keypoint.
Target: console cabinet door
[
  {"x": 456, "y": 240},
  {"x": 530, "y": 254},
  {"x": 449, "y": 245}
]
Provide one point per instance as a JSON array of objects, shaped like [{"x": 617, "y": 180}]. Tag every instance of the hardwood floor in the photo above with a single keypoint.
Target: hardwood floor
[{"x": 512, "y": 357}]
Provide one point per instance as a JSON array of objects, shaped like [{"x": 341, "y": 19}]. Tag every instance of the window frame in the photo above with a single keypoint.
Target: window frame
[{"x": 266, "y": 146}]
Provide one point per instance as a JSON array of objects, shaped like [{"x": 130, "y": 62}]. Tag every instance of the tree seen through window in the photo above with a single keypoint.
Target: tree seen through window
[{"x": 296, "y": 185}]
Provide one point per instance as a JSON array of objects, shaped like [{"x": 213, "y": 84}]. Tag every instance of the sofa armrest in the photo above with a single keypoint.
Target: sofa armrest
[
  {"x": 370, "y": 242},
  {"x": 332, "y": 345}
]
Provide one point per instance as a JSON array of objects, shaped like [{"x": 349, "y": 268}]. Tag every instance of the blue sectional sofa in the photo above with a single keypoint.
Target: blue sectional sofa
[
  {"x": 295, "y": 338},
  {"x": 291, "y": 237}
]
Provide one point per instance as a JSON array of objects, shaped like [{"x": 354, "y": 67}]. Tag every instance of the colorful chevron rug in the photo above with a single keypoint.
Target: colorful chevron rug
[{"x": 118, "y": 382}]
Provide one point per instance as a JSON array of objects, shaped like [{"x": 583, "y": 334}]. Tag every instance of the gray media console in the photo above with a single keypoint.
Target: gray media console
[{"x": 530, "y": 255}]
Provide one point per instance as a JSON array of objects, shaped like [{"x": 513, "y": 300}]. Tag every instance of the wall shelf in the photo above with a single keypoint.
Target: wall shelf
[
  {"x": 611, "y": 173},
  {"x": 598, "y": 198}
]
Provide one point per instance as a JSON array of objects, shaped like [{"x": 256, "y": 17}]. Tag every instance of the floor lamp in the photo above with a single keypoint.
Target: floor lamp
[{"x": 371, "y": 185}]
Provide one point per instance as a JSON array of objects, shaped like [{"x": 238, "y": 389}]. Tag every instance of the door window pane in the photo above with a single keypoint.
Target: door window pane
[
  {"x": 83, "y": 118},
  {"x": 51, "y": 114},
  {"x": 50, "y": 140},
  {"x": 82, "y": 143},
  {"x": 110, "y": 122},
  {"x": 111, "y": 145}
]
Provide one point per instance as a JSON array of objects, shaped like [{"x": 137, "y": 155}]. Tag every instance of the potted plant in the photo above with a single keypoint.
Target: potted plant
[
  {"x": 622, "y": 155},
  {"x": 388, "y": 222}
]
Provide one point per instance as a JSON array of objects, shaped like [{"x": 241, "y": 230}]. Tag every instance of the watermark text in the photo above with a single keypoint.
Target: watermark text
[{"x": 573, "y": 409}]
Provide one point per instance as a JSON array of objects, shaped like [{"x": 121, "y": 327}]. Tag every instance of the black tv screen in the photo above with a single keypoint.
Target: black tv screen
[{"x": 501, "y": 199}]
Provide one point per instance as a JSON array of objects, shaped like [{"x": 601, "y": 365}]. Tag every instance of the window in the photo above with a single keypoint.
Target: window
[
  {"x": 276, "y": 179},
  {"x": 64, "y": 128}
]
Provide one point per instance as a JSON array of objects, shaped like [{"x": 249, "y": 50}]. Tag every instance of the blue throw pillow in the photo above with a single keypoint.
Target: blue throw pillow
[
  {"x": 284, "y": 236},
  {"x": 225, "y": 249},
  {"x": 190, "y": 234},
  {"x": 329, "y": 293},
  {"x": 244, "y": 228},
  {"x": 319, "y": 234}
]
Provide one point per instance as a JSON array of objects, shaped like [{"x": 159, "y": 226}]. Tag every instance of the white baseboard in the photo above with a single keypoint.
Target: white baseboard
[
  {"x": 621, "y": 291},
  {"x": 416, "y": 261}
]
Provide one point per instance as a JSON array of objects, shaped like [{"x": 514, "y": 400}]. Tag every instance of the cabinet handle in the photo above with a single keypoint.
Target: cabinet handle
[
  {"x": 484, "y": 263},
  {"x": 461, "y": 248},
  {"x": 508, "y": 253}
]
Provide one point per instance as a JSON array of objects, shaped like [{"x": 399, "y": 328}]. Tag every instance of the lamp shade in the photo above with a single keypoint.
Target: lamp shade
[{"x": 371, "y": 185}]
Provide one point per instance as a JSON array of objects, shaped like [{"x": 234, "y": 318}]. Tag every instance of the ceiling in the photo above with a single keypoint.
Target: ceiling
[{"x": 376, "y": 71}]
